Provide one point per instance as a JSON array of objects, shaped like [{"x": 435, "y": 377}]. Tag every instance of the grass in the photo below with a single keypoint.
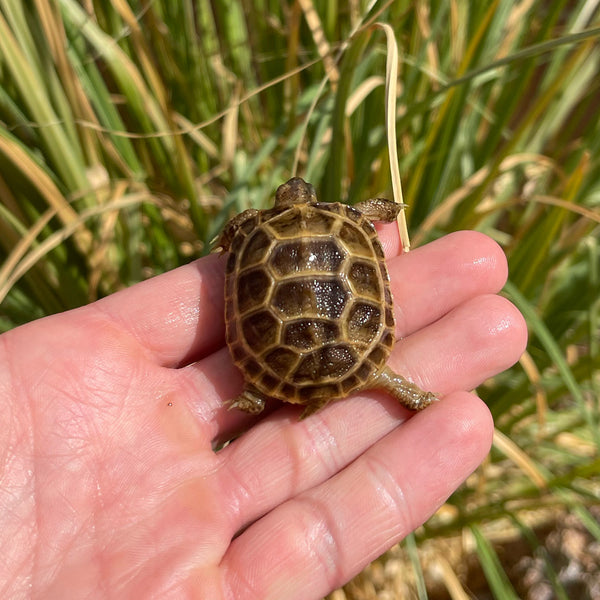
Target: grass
[{"x": 130, "y": 131}]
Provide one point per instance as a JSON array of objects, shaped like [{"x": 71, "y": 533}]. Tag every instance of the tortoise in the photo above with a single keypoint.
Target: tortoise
[{"x": 308, "y": 305}]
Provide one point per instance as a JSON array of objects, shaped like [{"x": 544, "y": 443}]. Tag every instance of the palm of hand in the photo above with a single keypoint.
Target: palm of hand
[{"x": 110, "y": 486}]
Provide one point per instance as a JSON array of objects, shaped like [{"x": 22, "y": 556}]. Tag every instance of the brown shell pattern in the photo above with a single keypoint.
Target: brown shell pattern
[{"x": 308, "y": 303}]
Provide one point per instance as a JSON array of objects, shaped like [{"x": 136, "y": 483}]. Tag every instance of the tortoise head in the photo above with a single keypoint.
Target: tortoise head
[{"x": 295, "y": 191}]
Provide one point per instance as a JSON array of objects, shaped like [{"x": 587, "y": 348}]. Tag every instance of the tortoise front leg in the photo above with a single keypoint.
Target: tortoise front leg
[
  {"x": 379, "y": 209},
  {"x": 224, "y": 240},
  {"x": 250, "y": 400},
  {"x": 408, "y": 394}
]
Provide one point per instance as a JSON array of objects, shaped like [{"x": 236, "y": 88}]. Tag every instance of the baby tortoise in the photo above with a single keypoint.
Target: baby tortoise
[{"x": 308, "y": 305}]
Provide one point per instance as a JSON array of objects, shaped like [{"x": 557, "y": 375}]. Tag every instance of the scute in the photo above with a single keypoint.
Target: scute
[
  {"x": 281, "y": 361},
  {"x": 317, "y": 393},
  {"x": 310, "y": 297},
  {"x": 295, "y": 222},
  {"x": 269, "y": 382},
  {"x": 364, "y": 322},
  {"x": 306, "y": 334},
  {"x": 261, "y": 330},
  {"x": 355, "y": 241},
  {"x": 252, "y": 289},
  {"x": 328, "y": 362},
  {"x": 365, "y": 279},
  {"x": 306, "y": 256},
  {"x": 256, "y": 249}
]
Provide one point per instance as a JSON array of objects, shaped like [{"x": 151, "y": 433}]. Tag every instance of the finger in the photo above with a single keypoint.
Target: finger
[
  {"x": 177, "y": 316},
  {"x": 318, "y": 540},
  {"x": 389, "y": 237},
  {"x": 281, "y": 456},
  {"x": 431, "y": 280},
  {"x": 475, "y": 341},
  {"x": 457, "y": 267}
]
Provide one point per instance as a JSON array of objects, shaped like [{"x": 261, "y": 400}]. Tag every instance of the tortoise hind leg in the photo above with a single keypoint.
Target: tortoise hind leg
[
  {"x": 408, "y": 394},
  {"x": 250, "y": 401}
]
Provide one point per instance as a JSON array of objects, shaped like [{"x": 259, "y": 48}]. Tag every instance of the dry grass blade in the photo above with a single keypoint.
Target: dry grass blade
[
  {"x": 444, "y": 211},
  {"x": 541, "y": 400},
  {"x": 422, "y": 11},
  {"x": 230, "y": 130},
  {"x": 510, "y": 449},
  {"x": 20, "y": 250},
  {"x": 78, "y": 103},
  {"x": 44, "y": 184},
  {"x": 323, "y": 47},
  {"x": 61, "y": 235},
  {"x": 391, "y": 94},
  {"x": 357, "y": 97},
  {"x": 444, "y": 571},
  {"x": 355, "y": 100},
  {"x": 588, "y": 213},
  {"x": 189, "y": 130},
  {"x": 37, "y": 100}
]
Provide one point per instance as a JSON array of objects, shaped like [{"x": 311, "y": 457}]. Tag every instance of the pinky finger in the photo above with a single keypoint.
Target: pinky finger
[{"x": 317, "y": 541}]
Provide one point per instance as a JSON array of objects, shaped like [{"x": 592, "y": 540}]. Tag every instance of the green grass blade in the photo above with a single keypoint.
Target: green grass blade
[
  {"x": 499, "y": 584},
  {"x": 551, "y": 346}
]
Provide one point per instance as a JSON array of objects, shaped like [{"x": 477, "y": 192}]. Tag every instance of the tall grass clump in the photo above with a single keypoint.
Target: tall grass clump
[{"x": 131, "y": 130}]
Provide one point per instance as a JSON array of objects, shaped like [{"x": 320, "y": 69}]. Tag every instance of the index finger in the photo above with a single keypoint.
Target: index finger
[
  {"x": 317, "y": 540},
  {"x": 178, "y": 315}
]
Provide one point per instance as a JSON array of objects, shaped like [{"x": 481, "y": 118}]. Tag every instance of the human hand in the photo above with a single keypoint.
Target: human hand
[{"x": 109, "y": 482}]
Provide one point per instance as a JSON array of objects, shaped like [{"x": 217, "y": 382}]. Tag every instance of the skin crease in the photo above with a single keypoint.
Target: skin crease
[{"x": 109, "y": 484}]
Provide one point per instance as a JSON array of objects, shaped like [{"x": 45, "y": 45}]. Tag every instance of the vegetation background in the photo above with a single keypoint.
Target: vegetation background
[{"x": 131, "y": 129}]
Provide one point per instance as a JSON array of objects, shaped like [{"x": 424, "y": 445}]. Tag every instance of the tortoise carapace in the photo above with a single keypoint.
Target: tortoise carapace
[{"x": 308, "y": 306}]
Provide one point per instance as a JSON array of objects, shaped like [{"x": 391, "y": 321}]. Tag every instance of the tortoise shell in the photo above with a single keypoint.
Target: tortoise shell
[{"x": 308, "y": 306}]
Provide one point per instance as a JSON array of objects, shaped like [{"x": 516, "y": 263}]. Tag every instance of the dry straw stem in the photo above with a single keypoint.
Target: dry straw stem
[
  {"x": 541, "y": 400},
  {"x": 511, "y": 450},
  {"x": 75, "y": 101},
  {"x": 354, "y": 101},
  {"x": 230, "y": 130},
  {"x": 26, "y": 74},
  {"x": 314, "y": 23},
  {"x": 20, "y": 250},
  {"x": 444, "y": 211},
  {"x": 441, "y": 569},
  {"x": 391, "y": 95},
  {"x": 593, "y": 215},
  {"x": 188, "y": 129},
  {"x": 332, "y": 75},
  {"x": 46, "y": 187}
]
